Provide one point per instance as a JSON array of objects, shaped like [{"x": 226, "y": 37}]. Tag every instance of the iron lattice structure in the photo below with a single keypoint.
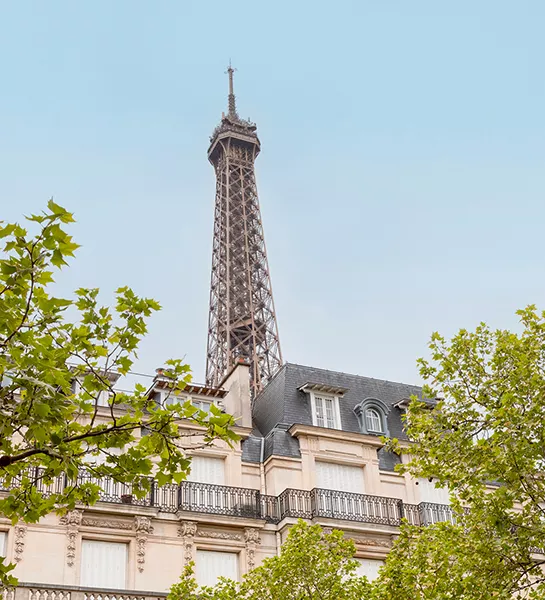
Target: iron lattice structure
[{"x": 242, "y": 321}]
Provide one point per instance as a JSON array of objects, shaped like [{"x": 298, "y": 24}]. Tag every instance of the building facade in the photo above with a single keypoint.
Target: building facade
[{"x": 310, "y": 448}]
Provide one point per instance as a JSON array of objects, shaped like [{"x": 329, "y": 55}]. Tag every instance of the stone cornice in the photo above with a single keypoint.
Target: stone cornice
[{"x": 335, "y": 434}]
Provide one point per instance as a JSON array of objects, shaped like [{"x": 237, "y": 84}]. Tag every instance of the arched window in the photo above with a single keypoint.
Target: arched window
[
  {"x": 373, "y": 420},
  {"x": 371, "y": 415}
]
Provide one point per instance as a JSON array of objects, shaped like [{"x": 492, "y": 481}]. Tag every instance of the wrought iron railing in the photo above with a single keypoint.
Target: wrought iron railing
[
  {"x": 430, "y": 513},
  {"x": 336, "y": 504},
  {"x": 250, "y": 503},
  {"x": 411, "y": 513},
  {"x": 357, "y": 507}
]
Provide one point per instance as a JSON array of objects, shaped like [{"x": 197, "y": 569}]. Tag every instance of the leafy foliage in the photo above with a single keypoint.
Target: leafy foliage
[
  {"x": 485, "y": 440},
  {"x": 46, "y": 428},
  {"x": 313, "y": 565}
]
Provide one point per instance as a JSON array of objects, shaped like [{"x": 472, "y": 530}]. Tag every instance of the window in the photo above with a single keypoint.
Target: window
[
  {"x": 373, "y": 420},
  {"x": 103, "y": 564},
  {"x": 103, "y": 397},
  {"x": 344, "y": 478},
  {"x": 169, "y": 397},
  {"x": 369, "y": 567},
  {"x": 429, "y": 493},
  {"x": 372, "y": 415},
  {"x": 203, "y": 405},
  {"x": 325, "y": 411},
  {"x": 207, "y": 469},
  {"x": 211, "y": 565},
  {"x": 3, "y": 543}
]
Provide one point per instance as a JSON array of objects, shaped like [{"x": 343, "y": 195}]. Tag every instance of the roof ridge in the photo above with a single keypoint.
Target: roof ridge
[{"x": 286, "y": 364}]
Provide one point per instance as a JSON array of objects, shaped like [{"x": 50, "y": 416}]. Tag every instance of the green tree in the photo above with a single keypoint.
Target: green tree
[
  {"x": 313, "y": 565},
  {"x": 485, "y": 440},
  {"x": 46, "y": 342}
]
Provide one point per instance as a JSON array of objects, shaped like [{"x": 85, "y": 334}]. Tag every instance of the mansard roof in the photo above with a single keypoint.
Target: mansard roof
[{"x": 285, "y": 401}]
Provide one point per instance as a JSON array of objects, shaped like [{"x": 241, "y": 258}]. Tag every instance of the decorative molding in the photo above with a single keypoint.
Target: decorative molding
[
  {"x": 370, "y": 542},
  {"x": 219, "y": 535},
  {"x": 188, "y": 530},
  {"x": 19, "y": 545},
  {"x": 72, "y": 519},
  {"x": 143, "y": 528},
  {"x": 107, "y": 523},
  {"x": 252, "y": 539}
]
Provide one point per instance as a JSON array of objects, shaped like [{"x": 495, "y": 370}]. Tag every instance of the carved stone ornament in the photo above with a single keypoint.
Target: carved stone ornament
[
  {"x": 143, "y": 528},
  {"x": 188, "y": 530},
  {"x": 107, "y": 523},
  {"x": 19, "y": 545},
  {"x": 252, "y": 539},
  {"x": 72, "y": 519},
  {"x": 371, "y": 542},
  {"x": 219, "y": 535}
]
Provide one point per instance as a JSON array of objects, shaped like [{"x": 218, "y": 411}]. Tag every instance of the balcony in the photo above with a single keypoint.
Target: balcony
[{"x": 252, "y": 504}]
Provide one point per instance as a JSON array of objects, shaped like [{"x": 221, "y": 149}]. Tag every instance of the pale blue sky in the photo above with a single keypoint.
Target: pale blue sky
[{"x": 401, "y": 177}]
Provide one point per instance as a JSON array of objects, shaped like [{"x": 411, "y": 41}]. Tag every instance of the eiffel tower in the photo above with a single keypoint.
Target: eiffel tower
[{"x": 242, "y": 322}]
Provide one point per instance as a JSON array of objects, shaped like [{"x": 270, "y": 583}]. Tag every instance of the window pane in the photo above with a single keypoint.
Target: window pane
[
  {"x": 103, "y": 564},
  {"x": 211, "y": 565},
  {"x": 329, "y": 414},
  {"x": 202, "y": 405},
  {"x": 319, "y": 411},
  {"x": 373, "y": 422},
  {"x": 3, "y": 543}
]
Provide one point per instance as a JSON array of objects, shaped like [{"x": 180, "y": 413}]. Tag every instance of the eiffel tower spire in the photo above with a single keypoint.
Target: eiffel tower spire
[
  {"x": 242, "y": 320},
  {"x": 232, "y": 113}
]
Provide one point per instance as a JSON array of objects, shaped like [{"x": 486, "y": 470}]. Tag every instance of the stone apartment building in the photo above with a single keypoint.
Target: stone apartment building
[{"x": 310, "y": 448}]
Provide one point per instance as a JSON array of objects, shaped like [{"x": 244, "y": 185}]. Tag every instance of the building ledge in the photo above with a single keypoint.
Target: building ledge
[{"x": 336, "y": 434}]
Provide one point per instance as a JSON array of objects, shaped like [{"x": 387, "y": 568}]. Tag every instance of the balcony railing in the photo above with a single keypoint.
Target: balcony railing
[
  {"x": 250, "y": 503},
  {"x": 40, "y": 591}
]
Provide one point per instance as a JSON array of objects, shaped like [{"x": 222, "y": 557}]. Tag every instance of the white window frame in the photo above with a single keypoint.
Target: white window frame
[
  {"x": 127, "y": 543},
  {"x": 170, "y": 397},
  {"x": 4, "y": 543},
  {"x": 218, "y": 459},
  {"x": 379, "y": 417},
  {"x": 336, "y": 423},
  {"x": 216, "y": 551},
  {"x": 360, "y": 479},
  {"x": 200, "y": 403}
]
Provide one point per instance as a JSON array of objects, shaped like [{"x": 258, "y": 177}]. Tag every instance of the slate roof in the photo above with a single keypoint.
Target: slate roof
[
  {"x": 282, "y": 401},
  {"x": 282, "y": 404}
]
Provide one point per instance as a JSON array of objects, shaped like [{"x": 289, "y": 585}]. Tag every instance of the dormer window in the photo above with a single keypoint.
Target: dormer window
[
  {"x": 324, "y": 404},
  {"x": 372, "y": 415}
]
